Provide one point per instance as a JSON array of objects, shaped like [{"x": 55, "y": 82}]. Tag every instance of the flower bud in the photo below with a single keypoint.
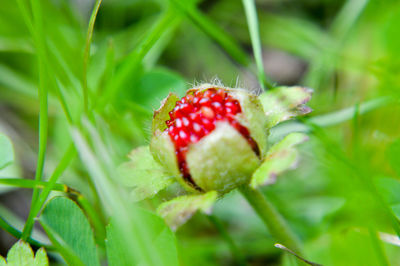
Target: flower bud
[{"x": 212, "y": 139}]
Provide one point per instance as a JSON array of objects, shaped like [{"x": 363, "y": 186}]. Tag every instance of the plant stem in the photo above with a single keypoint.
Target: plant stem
[
  {"x": 38, "y": 203},
  {"x": 277, "y": 226},
  {"x": 17, "y": 234}
]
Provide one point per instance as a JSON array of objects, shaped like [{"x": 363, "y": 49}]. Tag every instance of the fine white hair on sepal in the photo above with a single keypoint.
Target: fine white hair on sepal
[{"x": 216, "y": 82}]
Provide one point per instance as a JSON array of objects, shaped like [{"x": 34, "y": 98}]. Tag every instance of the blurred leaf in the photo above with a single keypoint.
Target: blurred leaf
[
  {"x": 65, "y": 224},
  {"x": 284, "y": 103},
  {"x": 281, "y": 157},
  {"x": 393, "y": 155},
  {"x": 163, "y": 242},
  {"x": 177, "y": 211},
  {"x": 144, "y": 174},
  {"x": 313, "y": 210},
  {"x": 227, "y": 42},
  {"x": 6, "y": 151},
  {"x": 389, "y": 189},
  {"x": 21, "y": 254},
  {"x": 155, "y": 85},
  {"x": 161, "y": 115}
]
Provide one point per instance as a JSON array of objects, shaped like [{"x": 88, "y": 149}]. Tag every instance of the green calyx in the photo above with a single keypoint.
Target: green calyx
[{"x": 221, "y": 160}]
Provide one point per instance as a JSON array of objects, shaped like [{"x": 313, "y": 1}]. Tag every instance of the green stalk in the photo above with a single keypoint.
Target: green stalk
[
  {"x": 252, "y": 21},
  {"x": 43, "y": 112},
  {"x": 277, "y": 226},
  {"x": 17, "y": 234},
  {"x": 87, "y": 53},
  {"x": 37, "y": 204},
  {"x": 28, "y": 183}
]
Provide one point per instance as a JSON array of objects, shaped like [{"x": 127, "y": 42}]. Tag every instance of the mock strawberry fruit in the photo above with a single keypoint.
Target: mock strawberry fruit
[{"x": 211, "y": 139}]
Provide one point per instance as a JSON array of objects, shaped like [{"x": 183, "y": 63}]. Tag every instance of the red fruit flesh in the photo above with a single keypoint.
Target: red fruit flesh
[{"x": 195, "y": 116}]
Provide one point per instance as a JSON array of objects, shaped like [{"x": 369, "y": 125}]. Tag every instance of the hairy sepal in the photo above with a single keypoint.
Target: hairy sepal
[
  {"x": 281, "y": 157},
  {"x": 177, "y": 211},
  {"x": 222, "y": 160},
  {"x": 252, "y": 117},
  {"x": 161, "y": 115},
  {"x": 284, "y": 103},
  {"x": 143, "y": 174},
  {"x": 163, "y": 151}
]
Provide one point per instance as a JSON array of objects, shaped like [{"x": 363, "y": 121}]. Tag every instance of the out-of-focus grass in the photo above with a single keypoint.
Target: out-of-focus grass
[{"x": 343, "y": 200}]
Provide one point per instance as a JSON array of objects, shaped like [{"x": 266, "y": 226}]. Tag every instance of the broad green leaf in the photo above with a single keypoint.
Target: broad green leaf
[
  {"x": 284, "y": 103},
  {"x": 6, "y": 151},
  {"x": 66, "y": 225},
  {"x": 144, "y": 174},
  {"x": 21, "y": 254},
  {"x": 161, "y": 115},
  {"x": 177, "y": 211},
  {"x": 163, "y": 241},
  {"x": 281, "y": 157}
]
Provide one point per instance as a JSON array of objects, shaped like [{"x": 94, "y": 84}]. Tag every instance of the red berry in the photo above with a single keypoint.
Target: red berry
[{"x": 195, "y": 116}]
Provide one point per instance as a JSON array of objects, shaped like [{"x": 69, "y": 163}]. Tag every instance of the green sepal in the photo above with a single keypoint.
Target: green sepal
[
  {"x": 21, "y": 254},
  {"x": 222, "y": 160},
  {"x": 177, "y": 211},
  {"x": 281, "y": 157},
  {"x": 161, "y": 115},
  {"x": 252, "y": 117},
  {"x": 143, "y": 174},
  {"x": 284, "y": 103},
  {"x": 163, "y": 151}
]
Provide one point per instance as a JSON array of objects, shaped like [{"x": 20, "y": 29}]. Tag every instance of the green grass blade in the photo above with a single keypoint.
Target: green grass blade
[
  {"x": 29, "y": 183},
  {"x": 43, "y": 112},
  {"x": 330, "y": 119},
  {"x": 87, "y": 53},
  {"x": 252, "y": 21}
]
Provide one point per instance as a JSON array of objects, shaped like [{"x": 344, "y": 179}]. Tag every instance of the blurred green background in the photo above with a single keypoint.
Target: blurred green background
[{"x": 344, "y": 198}]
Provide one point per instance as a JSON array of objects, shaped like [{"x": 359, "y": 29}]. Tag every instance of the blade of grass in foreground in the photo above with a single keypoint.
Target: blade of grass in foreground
[
  {"x": 134, "y": 233},
  {"x": 252, "y": 21}
]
